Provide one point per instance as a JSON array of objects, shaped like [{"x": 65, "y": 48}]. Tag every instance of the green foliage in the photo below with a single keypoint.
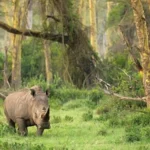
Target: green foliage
[
  {"x": 143, "y": 147},
  {"x": 57, "y": 60},
  {"x": 68, "y": 118},
  {"x": 33, "y": 62},
  {"x": 32, "y": 58},
  {"x": 36, "y": 81},
  {"x": 132, "y": 134},
  {"x": 87, "y": 116},
  {"x": 102, "y": 132},
  {"x": 116, "y": 14},
  {"x": 141, "y": 120},
  {"x": 146, "y": 132},
  {"x": 22, "y": 146},
  {"x": 73, "y": 104},
  {"x": 103, "y": 109},
  {"x": 69, "y": 92},
  {"x": 56, "y": 119},
  {"x": 122, "y": 75},
  {"x": 114, "y": 122},
  {"x": 5, "y": 129},
  {"x": 95, "y": 95}
]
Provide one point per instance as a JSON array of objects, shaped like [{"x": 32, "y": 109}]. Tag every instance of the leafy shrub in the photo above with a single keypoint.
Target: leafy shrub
[
  {"x": 66, "y": 94},
  {"x": 126, "y": 81},
  {"x": 102, "y": 132},
  {"x": 141, "y": 119},
  {"x": 56, "y": 119},
  {"x": 114, "y": 122},
  {"x": 4, "y": 129},
  {"x": 72, "y": 104},
  {"x": 143, "y": 147},
  {"x": 103, "y": 109},
  {"x": 55, "y": 103},
  {"x": 58, "y": 148},
  {"x": 146, "y": 132},
  {"x": 103, "y": 117},
  {"x": 87, "y": 116},
  {"x": 68, "y": 118},
  {"x": 132, "y": 134},
  {"x": 95, "y": 95}
]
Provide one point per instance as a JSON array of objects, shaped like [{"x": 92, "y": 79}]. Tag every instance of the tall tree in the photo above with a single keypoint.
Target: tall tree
[
  {"x": 142, "y": 34},
  {"x": 6, "y": 8},
  {"x": 46, "y": 43},
  {"x": 82, "y": 60},
  {"x": 93, "y": 32},
  {"x": 82, "y": 11},
  {"x": 29, "y": 14},
  {"x": 148, "y": 1},
  {"x": 108, "y": 32},
  {"x": 19, "y": 21}
]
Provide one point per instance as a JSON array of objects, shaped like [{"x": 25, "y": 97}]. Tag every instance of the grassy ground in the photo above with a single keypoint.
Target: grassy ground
[{"x": 76, "y": 126}]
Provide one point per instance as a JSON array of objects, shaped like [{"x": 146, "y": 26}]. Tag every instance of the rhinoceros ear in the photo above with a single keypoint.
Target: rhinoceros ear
[{"x": 32, "y": 92}]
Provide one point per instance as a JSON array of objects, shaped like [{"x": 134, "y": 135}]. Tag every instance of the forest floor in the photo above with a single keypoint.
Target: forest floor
[{"x": 76, "y": 126}]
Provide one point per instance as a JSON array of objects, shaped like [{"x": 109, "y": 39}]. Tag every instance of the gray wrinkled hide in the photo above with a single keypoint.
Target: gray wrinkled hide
[{"x": 28, "y": 107}]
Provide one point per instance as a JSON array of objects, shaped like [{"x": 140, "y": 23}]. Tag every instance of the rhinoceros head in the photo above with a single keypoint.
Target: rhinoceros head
[{"x": 41, "y": 109}]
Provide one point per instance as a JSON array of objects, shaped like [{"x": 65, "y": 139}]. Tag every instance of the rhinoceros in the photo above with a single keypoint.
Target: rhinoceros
[{"x": 26, "y": 108}]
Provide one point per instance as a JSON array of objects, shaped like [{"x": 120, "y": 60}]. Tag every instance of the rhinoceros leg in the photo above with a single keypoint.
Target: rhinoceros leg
[
  {"x": 10, "y": 122},
  {"x": 40, "y": 131},
  {"x": 22, "y": 127}
]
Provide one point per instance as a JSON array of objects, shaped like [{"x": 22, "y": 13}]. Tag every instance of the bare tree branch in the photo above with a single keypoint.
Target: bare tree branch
[
  {"x": 125, "y": 97},
  {"x": 121, "y": 97},
  {"x": 53, "y": 17},
  {"x": 27, "y": 32}
]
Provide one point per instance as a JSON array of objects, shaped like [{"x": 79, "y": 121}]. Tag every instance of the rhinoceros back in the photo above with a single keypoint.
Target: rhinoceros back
[{"x": 18, "y": 104}]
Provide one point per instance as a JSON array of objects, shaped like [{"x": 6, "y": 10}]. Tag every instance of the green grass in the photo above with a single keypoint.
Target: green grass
[{"x": 71, "y": 131}]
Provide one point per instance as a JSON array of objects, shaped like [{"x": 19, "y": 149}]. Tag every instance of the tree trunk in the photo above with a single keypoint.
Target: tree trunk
[
  {"x": 47, "y": 55},
  {"x": 80, "y": 10},
  {"x": 93, "y": 36},
  {"x": 82, "y": 59},
  {"x": 46, "y": 43},
  {"x": 109, "y": 30},
  {"x": 19, "y": 21},
  {"x": 6, "y": 83},
  {"x": 148, "y": 1},
  {"x": 7, "y": 9},
  {"x": 142, "y": 34},
  {"x": 29, "y": 15}
]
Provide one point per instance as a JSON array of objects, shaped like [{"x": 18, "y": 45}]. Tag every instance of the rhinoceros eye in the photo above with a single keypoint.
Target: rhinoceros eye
[{"x": 44, "y": 109}]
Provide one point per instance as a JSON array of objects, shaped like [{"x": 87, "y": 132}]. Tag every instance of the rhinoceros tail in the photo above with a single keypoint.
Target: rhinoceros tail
[{"x": 2, "y": 96}]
